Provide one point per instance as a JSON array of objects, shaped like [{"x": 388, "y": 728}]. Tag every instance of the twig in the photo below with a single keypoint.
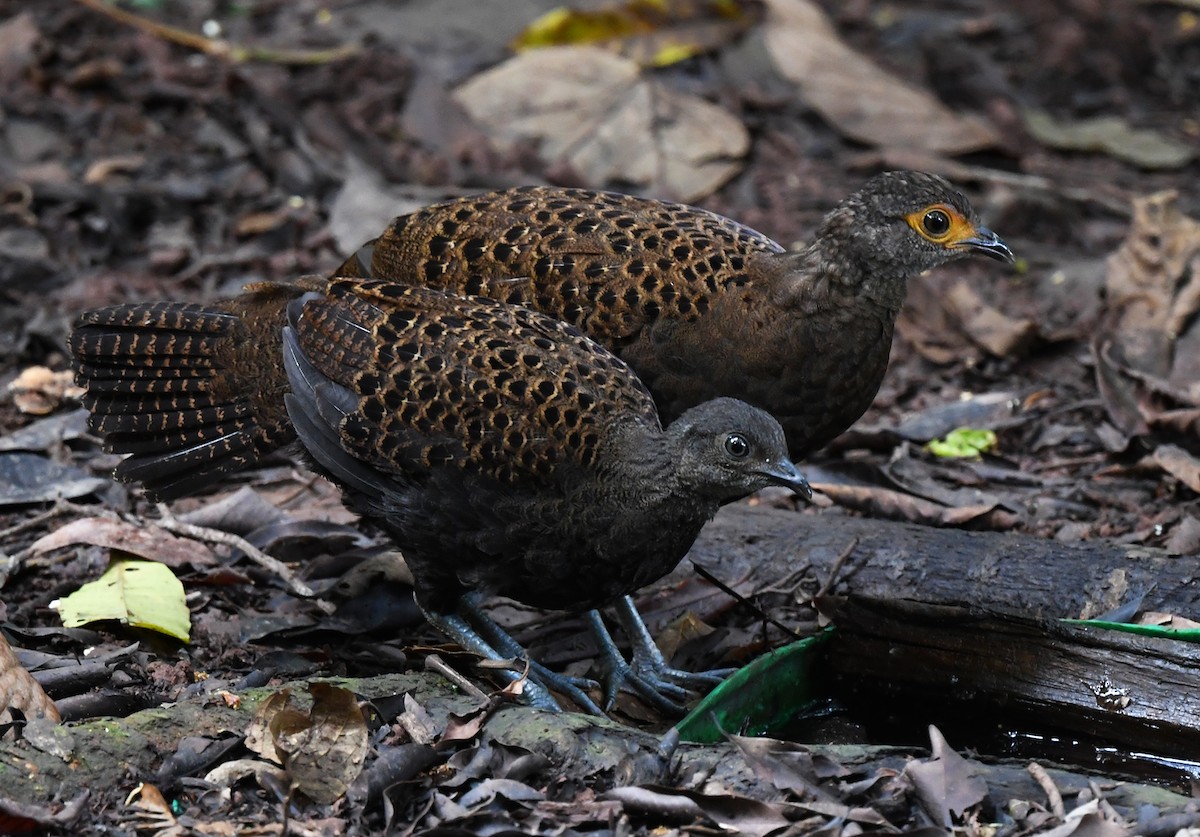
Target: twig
[
  {"x": 1110, "y": 813},
  {"x": 725, "y": 588},
  {"x": 218, "y": 47},
  {"x": 1047, "y": 785},
  {"x": 837, "y": 568},
  {"x": 435, "y": 663},
  {"x": 202, "y": 533}
]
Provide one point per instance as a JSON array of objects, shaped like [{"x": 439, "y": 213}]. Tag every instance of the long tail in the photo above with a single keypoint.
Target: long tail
[{"x": 191, "y": 391}]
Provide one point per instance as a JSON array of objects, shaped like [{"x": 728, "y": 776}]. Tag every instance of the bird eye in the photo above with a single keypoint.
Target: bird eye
[
  {"x": 936, "y": 222},
  {"x": 737, "y": 446}
]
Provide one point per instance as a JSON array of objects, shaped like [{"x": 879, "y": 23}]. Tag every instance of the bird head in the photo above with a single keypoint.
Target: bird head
[
  {"x": 726, "y": 449},
  {"x": 905, "y": 222}
]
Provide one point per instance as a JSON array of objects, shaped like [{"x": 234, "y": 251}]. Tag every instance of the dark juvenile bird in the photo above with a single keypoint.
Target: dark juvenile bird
[
  {"x": 699, "y": 305},
  {"x": 505, "y": 452}
]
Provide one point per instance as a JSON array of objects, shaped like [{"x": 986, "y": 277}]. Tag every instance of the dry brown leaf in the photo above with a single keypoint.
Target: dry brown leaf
[
  {"x": 1110, "y": 135},
  {"x": 101, "y": 170},
  {"x": 599, "y": 114},
  {"x": 258, "y": 733},
  {"x": 325, "y": 748},
  {"x": 18, "y": 690},
  {"x": 19, "y": 37},
  {"x": 1147, "y": 350},
  {"x": 897, "y": 505},
  {"x": 682, "y": 629},
  {"x": 1178, "y": 463},
  {"x": 859, "y": 98},
  {"x": 149, "y": 542},
  {"x": 946, "y": 784},
  {"x": 1168, "y": 620},
  {"x": 1000, "y": 334},
  {"x": 38, "y": 390}
]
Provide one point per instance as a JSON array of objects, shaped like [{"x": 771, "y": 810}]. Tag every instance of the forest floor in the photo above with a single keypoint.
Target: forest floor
[{"x": 137, "y": 167}]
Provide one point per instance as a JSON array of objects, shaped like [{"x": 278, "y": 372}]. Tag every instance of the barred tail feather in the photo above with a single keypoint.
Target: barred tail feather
[{"x": 192, "y": 392}]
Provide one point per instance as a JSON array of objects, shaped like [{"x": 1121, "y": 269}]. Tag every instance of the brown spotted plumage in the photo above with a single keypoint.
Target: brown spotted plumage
[
  {"x": 699, "y": 305},
  {"x": 506, "y": 452}
]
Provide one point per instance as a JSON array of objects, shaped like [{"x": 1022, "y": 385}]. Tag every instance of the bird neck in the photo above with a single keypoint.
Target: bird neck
[
  {"x": 840, "y": 268},
  {"x": 648, "y": 474}
]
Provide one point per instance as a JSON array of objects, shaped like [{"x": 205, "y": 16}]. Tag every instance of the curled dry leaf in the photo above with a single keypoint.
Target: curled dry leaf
[
  {"x": 38, "y": 390},
  {"x": 323, "y": 750},
  {"x": 856, "y": 96},
  {"x": 18, "y": 689},
  {"x": 599, "y": 114},
  {"x": 1147, "y": 349}
]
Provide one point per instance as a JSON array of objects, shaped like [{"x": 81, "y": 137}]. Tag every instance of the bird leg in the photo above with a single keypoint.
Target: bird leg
[
  {"x": 656, "y": 691},
  {"x": 648, "y": 661},
  {"x": 459, "y": 630},
  {"x": 572, "y": 687}
]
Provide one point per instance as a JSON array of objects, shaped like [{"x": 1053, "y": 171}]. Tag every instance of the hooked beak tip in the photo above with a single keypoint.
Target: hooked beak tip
[
  {"x": 789, "y": 476},
  {"x": 987, "y": 243}
]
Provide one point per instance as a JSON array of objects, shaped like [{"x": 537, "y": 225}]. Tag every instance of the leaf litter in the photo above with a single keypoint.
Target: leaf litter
[{"x": 224, "y": 214}]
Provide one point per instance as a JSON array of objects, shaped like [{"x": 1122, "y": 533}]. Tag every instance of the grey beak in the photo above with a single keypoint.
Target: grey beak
[
  {"x": 987, "y": 243},
  {"x": 784, "y": 473}
]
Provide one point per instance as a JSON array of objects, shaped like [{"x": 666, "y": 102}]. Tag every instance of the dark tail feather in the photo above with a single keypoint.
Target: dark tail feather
[{"x": 192, "y": 392}]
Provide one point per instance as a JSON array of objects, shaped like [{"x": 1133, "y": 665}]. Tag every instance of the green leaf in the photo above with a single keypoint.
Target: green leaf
[
  {"x": 963, "y": 442},
  {"x": 144, "y": 594}
]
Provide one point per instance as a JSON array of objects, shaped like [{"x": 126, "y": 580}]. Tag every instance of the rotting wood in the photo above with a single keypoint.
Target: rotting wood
[{"x": 1002, "y": 571}]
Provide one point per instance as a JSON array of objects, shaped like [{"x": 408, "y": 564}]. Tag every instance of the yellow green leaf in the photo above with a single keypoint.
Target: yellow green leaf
[
  {"x": 654, "y": 33},
  {"x": 144, "y": 594},
  {"x": 963, "y": 442}
]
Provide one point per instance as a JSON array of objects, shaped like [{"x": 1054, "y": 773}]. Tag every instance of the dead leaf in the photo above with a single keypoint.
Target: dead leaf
[
  {"x": 1147, "y": 349},
  {"x": 787, "y": 766},
  {"x": 18, "y": 690},
  {"x": 733, "y": 813},
  {"x": 258, "y": 733},
  {"x": 855, "y": 95},
  {"x": 898, "y": 505},
  {"x": 1110, "y": 135},
  {"x": 367, "y": 202},
  {"x": 101, "y": 170},
  {"x": 1001, "y": 335},
  {"x": 682, "y": 629},
  {"x": 599, "y": 114},
  {"x": 38, "y": 390},
  {"x": 149, "y": 542},
  {"x": 418, "y": 723},
  {"x": 1178, "y": 463},
  {"x": 1168, "y": 620},
  {"x": 19, "y": 36},
  {"x": 325, "y": 748},
  {"x": 946, "y": 784}
]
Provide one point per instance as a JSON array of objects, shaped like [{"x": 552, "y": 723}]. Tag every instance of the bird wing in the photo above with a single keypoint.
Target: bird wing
[
  {"x": 394, "y": 382},
  {"x": 607, "y": 263}
]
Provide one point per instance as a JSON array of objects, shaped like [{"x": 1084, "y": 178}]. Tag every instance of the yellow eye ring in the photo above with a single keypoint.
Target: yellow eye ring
[{"x": 940, "y": 224}]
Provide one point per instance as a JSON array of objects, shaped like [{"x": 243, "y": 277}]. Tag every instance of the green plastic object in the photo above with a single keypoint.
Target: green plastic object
[
  {"x": 1184, "y": 634},
  {"x": 758, "y": 697}
]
